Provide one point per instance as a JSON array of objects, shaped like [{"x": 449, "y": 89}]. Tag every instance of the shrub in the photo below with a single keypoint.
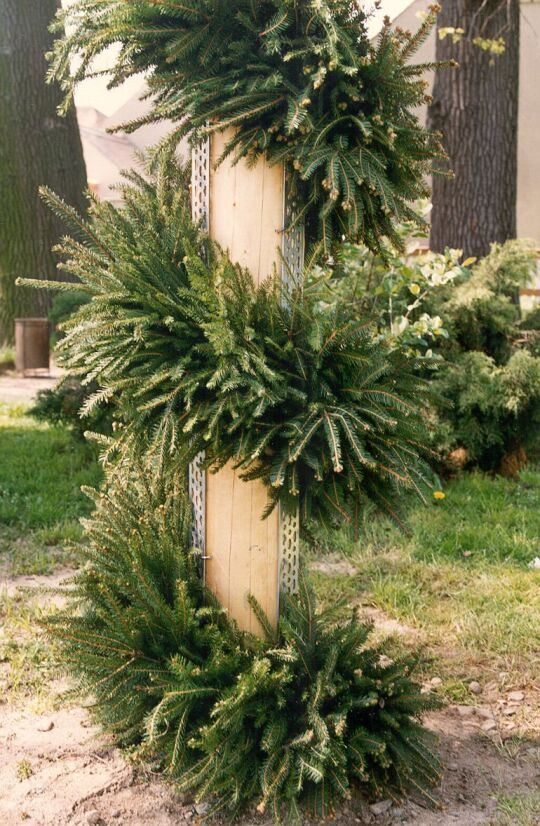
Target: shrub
[
  {"x": 494, "y": 412},
  {"x": 483, "y": 313},
  {"x": 402, "y": 294},
  {"x": 64, "y": 404},
  {"x": 489, "y": 386},
  {"x": 64, "y": 305},
  {"x": 303, "y": 716},
  {"x": 482, "y": 364},
  {"x": 296, "y": 391}
]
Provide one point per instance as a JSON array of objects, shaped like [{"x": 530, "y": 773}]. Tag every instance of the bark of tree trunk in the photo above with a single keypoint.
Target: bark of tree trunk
[
  {"x": 37, "y": 146},
  {"x": 476, "y": 109}
]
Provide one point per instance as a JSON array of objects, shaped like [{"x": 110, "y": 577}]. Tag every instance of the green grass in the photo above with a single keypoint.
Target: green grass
[
  {"x": 518, "y": 810},
  {"x": 460, "y": 583},
  {"x": 7, "y": 358},
  {"x": 41, "y": 473},
  {"x": 482, "y": 519},
  {"x": 28, "y": 659}
]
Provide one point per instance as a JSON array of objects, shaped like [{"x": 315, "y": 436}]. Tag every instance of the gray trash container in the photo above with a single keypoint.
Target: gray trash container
[{"x": 31, "y": 344}]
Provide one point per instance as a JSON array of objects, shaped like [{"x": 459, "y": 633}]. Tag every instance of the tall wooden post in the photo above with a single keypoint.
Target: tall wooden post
[{"x": 245, "y": 209}]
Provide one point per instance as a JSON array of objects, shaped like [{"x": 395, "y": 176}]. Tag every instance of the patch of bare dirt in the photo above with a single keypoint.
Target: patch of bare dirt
[
  {"x": 16, "y": 389},
  {"x": 386, "y": 626},
  {"x": 58, "y": 770},
  {"x": 13, "y": 586},
  {"x": 334, "y": 566}
]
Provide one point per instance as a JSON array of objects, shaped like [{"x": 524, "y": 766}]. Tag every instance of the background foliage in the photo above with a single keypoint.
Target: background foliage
[
  {"x": 480, "y": 357},
  {"x": 63, "y": 403},
  {"x": 492, "y": 380}
]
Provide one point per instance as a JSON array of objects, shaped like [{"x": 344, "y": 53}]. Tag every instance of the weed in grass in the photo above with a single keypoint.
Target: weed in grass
[
  {"x": 24, "y": 770},
  {"x": 453, "y": 690},
  {"x": 518, "y": 810},
  {"x": 29, "y": 659},
  {"x": 60, "y": 533},
  {"x": 522, "y": 746}
]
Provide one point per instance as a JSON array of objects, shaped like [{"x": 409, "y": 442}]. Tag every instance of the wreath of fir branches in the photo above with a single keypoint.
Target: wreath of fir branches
[
  {"x": 300, "y": 718},
  {"x": 297, "y": 392},
  {"x": 297, "y": 80}
]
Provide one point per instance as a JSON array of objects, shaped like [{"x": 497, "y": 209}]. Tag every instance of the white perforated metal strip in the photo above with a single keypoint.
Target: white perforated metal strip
[
  {"x": 291, "y": 273},
  {"x": 289, "y": 551},
  {"x": 293, "y": 239},
  {"x": 200, "y": 206},
  {"x": 197, "y": 494},
  {"x": 200, "y": 182}
]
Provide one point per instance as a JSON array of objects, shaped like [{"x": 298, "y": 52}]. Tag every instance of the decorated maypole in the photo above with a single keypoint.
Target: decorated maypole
[{"x": 231, "y": 361}]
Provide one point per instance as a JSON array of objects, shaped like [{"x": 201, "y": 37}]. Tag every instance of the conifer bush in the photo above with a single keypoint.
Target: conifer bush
[
  {"x": 489, "y": 386},
  {"x": 297, "y": 392},
  {"x": 299, "y": 80},
  {"x": 301, "y": 717}
]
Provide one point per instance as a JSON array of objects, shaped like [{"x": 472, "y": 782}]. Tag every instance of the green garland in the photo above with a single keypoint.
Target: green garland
[
  {"x": 299, "y": 393},
  {"x": 304, "y": 717},
  {"x": 299, "y": 80}
]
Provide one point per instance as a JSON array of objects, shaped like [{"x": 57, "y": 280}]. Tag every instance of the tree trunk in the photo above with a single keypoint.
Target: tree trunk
[
  {"x": 476, "y": 109},
  {"x": 37, "y": 146}
]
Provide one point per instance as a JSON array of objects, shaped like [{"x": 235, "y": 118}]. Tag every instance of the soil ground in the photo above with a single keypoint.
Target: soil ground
[
  {"x": 57, "y": 769},
  {"x": 15, "y": 389}
]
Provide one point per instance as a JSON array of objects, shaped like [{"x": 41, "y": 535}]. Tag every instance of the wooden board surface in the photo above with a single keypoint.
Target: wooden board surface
[
  {"x": 246, "y": 210},
  {"x": 246, "y": 218},
  {"x": 243, "y": 548}
]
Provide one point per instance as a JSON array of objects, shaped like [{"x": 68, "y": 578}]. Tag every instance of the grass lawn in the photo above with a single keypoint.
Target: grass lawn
[
  {"x": 460, "y": 584},
  {"x": 41, "y": 471}
]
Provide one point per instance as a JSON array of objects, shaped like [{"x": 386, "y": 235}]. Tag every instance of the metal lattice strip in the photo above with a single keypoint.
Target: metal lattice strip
[
  {"x": 200, "y": 210},
  {"x": 200, "y": 182},
  {"x": 197, "y": 496},
  {"x": 289, "y": 551},
  {"x": 292, "y": 270},
  {"x": 293, "y": 239}
]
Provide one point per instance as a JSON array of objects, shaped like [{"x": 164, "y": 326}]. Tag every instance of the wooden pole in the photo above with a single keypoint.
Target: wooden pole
[{"x": 246, "y": 217}]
